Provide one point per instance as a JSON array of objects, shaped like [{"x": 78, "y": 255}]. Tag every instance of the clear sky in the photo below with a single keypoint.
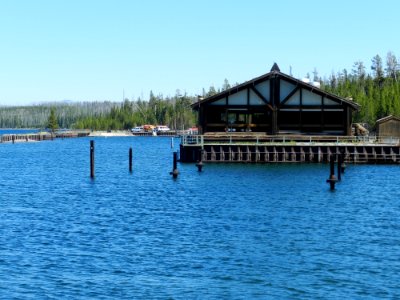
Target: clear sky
[{"x": 84, "y": 50}]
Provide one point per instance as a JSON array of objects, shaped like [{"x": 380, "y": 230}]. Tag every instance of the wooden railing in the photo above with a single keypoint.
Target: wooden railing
[{"x": 260, "y": 139}]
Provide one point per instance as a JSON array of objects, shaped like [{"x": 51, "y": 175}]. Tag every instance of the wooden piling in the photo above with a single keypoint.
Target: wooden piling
[
  {"x": 92, "y": 159},
  {"x": 332, "y": 179},
  {"x": 175, "y": 171},
  {"x": 199, "y": 163},
  {"x": 130, "y": 159},
  {"x": 339, "y": 167}
]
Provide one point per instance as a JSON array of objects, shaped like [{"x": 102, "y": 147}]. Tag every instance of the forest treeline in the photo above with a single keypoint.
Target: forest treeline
[
  {"x": 172, "y": 111},
  {"x": 375, "y": 88},
  {"x": 67, "y": 113}
]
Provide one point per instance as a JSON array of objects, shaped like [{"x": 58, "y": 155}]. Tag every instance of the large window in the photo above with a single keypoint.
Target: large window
[
  {"x": 333, "y": 117},
  {"x": 260, "y": 118},
  {"x": 311, "y": 118},
  {"x": 237, "y": 118},
  {"x": 289, "y": 119},
  {"x": 216, "y": 116}
]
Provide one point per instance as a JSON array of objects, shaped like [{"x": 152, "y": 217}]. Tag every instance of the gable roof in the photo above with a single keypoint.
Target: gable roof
[
  {"x": 388, "y": 118},
  {"x": 275, "y": 71}
]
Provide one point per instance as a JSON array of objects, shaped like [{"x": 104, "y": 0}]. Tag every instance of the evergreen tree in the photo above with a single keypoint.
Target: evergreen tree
[
  {"x": 359, "y": 70},
  {"x": 225, "y": 85},
  {"x": 52, "y": 122},
  {"x": 315, "y": 75},
  {"x": 377, "y": 67},
  {"x": 211, "y": 92},
  {"x": 392, "y": 67}
]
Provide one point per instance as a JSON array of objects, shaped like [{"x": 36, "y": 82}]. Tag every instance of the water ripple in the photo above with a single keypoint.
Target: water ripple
[{"x": 230, "y": 232}]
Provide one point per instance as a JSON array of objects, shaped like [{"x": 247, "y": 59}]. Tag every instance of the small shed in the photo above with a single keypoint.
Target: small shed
[{"x": 388, "y": 126}]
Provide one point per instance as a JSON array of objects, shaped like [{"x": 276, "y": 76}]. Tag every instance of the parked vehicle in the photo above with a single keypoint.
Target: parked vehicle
[
  {"x": 192, "y": 130},
  {"x": 148, "y": 128},
  {"x": 137, "y": 129},
  {"x": 162, "y": 128}
]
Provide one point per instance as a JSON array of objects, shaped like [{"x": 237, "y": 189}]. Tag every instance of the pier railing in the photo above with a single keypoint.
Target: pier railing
[{"x": 201, "y": 140}]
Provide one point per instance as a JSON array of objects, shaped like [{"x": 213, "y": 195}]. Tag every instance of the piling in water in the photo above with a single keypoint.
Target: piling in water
[
  {"x": 339, "y": 167},
  {"x": 175, "y": 171},
  {"x": 130, "y": 159},
  {"x": 199, "y": 163},
  {"x": 92, "y": 159},
  {"x": 343, "y": 165},
  {"x": 332, "y": 178}
]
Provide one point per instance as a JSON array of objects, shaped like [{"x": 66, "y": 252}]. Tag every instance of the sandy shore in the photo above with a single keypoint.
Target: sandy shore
[{"x": 111, "y": 134}]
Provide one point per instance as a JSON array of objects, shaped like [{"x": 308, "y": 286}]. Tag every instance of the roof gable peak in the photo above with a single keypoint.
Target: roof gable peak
[{"x": 275, "y": 68}]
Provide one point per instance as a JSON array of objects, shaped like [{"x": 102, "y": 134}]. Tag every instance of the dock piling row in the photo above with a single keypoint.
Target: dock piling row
[{"x": 293, "y": 154}]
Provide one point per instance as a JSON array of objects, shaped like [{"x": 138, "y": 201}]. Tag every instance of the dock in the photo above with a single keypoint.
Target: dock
[
  {"x": 41, "y": 136},
  {"x": 171, "y": 133},
  {"x": 260, "y": 148}
]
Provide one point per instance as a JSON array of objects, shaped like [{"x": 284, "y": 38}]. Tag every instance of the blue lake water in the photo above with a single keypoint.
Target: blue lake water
[
  {"x": 18, "y": 131},
  {"x": 231, "y": 232}
]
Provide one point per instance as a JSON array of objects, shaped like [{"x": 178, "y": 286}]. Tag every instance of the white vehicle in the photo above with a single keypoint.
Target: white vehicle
[
  {"x": 162, "y": 128},
  {"x": 137, "y": 129}
]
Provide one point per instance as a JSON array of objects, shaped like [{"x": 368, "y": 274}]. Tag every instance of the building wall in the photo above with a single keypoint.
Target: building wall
[
  {"x": 276, "y": 106},
  {"x": 389, "y": 128}
]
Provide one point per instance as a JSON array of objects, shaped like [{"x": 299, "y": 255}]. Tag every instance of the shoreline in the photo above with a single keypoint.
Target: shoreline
[{"x": 114, "y": 133}]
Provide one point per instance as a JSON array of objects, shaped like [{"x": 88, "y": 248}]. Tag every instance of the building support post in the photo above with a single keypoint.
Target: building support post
[{"x": 274, "y": 121}]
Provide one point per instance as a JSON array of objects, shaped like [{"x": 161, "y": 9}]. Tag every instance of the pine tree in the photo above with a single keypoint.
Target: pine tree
[
  {"x": 392, "y": 67},
  {"x": 225, "y": 85},
  {"x": 52, "y": 122},
  {"x": 377, "y": 67}
]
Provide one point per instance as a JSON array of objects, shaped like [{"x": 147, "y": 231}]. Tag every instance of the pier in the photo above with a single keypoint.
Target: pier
[
  {"x": 41, "y": 136},
  {"x": 257, "y": 148},
  {"x": 171, "y": 133}
]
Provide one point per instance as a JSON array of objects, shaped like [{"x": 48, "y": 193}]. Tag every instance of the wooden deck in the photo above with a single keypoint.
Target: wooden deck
[
  {"x": 288, "y": 149},
  {"x": 40, "y": 136}
]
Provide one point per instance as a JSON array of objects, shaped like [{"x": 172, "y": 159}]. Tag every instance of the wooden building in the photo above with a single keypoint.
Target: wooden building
[
  {"x": 388, "y": 127},
  {"x": 276, "y": 103}
]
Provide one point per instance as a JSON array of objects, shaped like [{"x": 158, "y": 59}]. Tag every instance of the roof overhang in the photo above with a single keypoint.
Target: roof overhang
[{"x": 275, "y": 73}]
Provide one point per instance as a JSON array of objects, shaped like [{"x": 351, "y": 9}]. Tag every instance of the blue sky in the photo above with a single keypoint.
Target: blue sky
[{"x": 101, "y": 50}]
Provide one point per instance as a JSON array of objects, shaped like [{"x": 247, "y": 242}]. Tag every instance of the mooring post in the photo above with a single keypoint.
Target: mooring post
[
  {"x": 172, "y": 142},
  {"x": 13, "y": 139},
  {"x": 92, "y": 159},
  {"x": 175, "y": 171},
  {"x": 130, "y": 159},
  {"x": 199, "y": 163},
  {"x": 339, "y": 167},
  {"x": 332, "y": 178}
]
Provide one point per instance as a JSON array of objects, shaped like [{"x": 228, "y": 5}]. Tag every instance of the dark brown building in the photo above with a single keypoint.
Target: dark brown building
[
  {"x": 388, "y": 127},
  {"x": 276, "y": 103}
]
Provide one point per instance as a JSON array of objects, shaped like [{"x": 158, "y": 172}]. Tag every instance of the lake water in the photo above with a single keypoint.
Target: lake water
[
  {"x": 237, "y": 231},
  {"x": 18, "y": 131}
]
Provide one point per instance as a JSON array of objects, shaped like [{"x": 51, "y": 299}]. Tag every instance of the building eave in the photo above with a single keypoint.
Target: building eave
[
  {"x": 388, "y": 118},
  {"x": 275, "y": 72}
]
